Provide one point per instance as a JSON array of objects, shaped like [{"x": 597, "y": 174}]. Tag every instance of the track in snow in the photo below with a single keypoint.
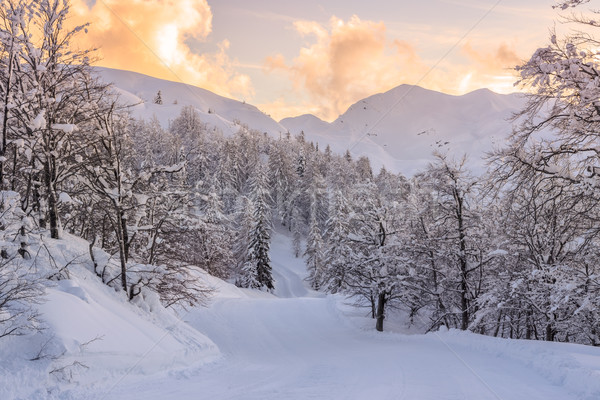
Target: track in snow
[{"x": 303, "y": 347}]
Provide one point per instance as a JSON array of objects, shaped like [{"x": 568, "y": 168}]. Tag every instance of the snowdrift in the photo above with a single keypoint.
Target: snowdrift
[{"x": 91, "y": 335}]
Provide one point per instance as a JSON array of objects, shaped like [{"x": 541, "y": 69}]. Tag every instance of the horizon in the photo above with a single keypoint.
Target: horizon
[{"x": 309, "y": 114}]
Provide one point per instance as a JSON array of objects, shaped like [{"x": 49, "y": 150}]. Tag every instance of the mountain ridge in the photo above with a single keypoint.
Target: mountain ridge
[{"x": 398, "y": 129}]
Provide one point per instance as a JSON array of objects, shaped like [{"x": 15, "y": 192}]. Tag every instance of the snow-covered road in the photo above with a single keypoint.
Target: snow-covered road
[
  {"x": 303, "y": 349},
  {"x": 308, "y": 348}
]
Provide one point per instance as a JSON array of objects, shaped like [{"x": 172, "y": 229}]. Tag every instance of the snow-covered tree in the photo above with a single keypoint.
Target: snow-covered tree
[
  {"x": 314, "y": 253},
  {"x": 21, "y": 281},
  {"x": 257, "y": 266},
  {"x": 454, "y": 237},
  {"x": 337, "y": 251},
  {"x": 158, "y": 98},
  {"x": 370, "y": 271},
  {"x": 550, "y": 171},
  {"x": 55, "y": 97},
  {"x": 211, "y": 246}
]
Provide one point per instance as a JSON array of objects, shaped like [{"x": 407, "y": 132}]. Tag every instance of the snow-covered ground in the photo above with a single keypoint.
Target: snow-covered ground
[{"x": 294, "y": 344}]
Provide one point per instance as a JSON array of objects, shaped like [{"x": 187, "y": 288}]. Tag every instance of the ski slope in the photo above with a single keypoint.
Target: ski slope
[{"x": 304, "y": 345}]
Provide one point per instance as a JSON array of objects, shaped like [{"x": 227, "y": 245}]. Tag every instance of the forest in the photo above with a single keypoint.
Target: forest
[{"x": 512, "y": 253}]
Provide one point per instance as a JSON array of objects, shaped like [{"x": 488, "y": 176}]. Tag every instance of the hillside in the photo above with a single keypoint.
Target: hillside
[
  {"x": 216, "y": 111},
  {"x": 89, "y": 339},
  {"x": 399, "y": 129},
  {"x": 402, "y": 127}
]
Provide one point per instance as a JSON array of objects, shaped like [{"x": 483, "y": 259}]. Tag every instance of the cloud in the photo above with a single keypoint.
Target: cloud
[
  {"x": 150, "y": 36},
  {"x": 492, "y": 69},
  {"x": 345, "y": 61},
  {"x": 499, "y": 60}
]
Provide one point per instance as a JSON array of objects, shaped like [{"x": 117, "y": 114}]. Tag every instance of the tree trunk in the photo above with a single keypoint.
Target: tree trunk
[
  {"x": 528, "y": 324},
  {"x": 464, "y": 323},
  {"x": 464, "y": 303},
  {"x": 51, "y": 197},
  {"x": 122, "y": 251},
  {"x": 124, "y": 234},
  {"x": 5, "y": 115},
  {"x": 550, "y": 331},
  {"x": 381, "y": 300},
  {"x": 53, "y": 215},
  {"x": 372, "y": 299}
]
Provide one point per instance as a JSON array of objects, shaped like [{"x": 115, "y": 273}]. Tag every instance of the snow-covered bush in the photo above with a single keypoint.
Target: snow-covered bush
[{"x": 20, "y": 274}]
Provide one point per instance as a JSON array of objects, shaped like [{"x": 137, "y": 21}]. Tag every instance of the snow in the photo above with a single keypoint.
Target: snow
[
  {"x": 39, "y": 121},
  {"x": 226, "y": 115},
  {"x": 66, "y": 128},
  {"x": 497, "y": 252},
  {"x": 292, "y": 344},
  {"x": 402, "y": 127},
  {"x": 87, "y": 323},
  {"x": 297, "y": 345},
  {"x": 66, "y": 198}
]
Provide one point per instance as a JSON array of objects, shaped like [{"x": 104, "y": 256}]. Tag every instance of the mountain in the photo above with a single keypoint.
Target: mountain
[
  {"x": 217, "y": 111},
  {"x": 402, "y": 127},
  {"x": 305, "y": 123},
  {"x": 399, "y": 128}
]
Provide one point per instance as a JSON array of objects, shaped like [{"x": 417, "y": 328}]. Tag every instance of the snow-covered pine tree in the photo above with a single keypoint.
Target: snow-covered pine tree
[
  {"x": 158, "y": 98},
  {"x": 258, "y": 265},
  {"x": 243, "y": 225},
  {"x": 314, "y": 252},
  {"x": 212, "y": 248},
  {"x": 337, "y": 249},
  {"x": 282, "y": 178}
]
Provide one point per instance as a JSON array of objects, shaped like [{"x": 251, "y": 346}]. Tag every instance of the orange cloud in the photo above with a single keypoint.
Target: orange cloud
[
  {"x": 500, "y": 60},
  {"x": 493, "y": 69},
  {"x": 349, "y": 60},
  {"x": 149, "y": 36}
]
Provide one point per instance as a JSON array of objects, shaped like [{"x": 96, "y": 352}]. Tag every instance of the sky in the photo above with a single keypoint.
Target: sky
[{"x": 294, "y": 57}]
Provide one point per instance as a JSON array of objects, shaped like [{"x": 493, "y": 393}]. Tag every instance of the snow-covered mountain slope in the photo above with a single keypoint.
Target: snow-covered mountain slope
[
  {"x": 305, "y": 123},
  {"x": 402, "y": 127},
  {"x": 306, "y": 345},
  {"x": 399, "y": 129},
  {"x": 217, "y": 111}
]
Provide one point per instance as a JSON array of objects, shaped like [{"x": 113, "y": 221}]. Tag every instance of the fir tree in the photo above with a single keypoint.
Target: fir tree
[
  {"x": 314, "y": 253},
  {"x": 337, "y": 248},
  {"x": 158, "y": 98},
  {"x": 256, "y": 267},
  {"x": 261, "y": 229}
]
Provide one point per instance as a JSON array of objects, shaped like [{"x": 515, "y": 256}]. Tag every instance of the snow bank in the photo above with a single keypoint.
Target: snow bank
[
  {"x": 572, "y": 366},
  {"x": 92, "y": 336}
]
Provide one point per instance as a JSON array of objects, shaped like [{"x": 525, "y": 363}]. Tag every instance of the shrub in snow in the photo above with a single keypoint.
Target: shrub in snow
[{"x": 20, "y": 275}]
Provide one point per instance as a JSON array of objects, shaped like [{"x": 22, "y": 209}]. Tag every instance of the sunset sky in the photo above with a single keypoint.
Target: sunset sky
[{"x": 295, "y": 57}]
